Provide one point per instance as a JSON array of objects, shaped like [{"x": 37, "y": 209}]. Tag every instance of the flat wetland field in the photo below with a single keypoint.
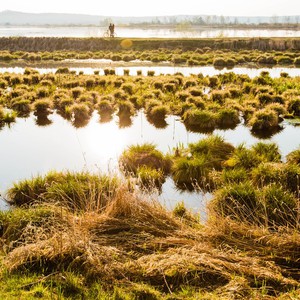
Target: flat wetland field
[{"x": 73, "y": 233}]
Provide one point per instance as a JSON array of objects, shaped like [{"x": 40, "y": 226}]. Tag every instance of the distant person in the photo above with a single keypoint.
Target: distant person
[{"x": 111, "y": 29}]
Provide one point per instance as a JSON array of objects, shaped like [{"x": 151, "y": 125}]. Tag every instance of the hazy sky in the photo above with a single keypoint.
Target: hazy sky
[{"x": 158, "y": 7}]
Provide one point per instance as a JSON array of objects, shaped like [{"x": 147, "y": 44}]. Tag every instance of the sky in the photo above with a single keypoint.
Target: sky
[{"x": 158, "y": 7}]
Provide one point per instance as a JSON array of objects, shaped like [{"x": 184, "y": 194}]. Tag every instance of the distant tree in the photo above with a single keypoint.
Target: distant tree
[
  {"x": 208, "y": 19},
  {"x": 198, "y": 21},
  {"x": 157, "y": 20},
  {"x": 214, "y": 19},
  {"x": 274, "y": 19},
  {"x": 222, "y": 20},
  {"x": 106, "y": 21}
]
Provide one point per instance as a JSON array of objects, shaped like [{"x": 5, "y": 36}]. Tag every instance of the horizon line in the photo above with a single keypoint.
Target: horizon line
[{"x": 148, "y": 16}]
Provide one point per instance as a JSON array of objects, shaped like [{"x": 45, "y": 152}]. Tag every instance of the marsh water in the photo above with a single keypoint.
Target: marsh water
[
  {"x": 30, "y": 147},
  {"x": 91, "y": 65},
  {"x": 144, "y": 32}
]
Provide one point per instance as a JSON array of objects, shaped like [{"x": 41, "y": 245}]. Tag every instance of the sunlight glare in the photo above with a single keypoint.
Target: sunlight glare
[{"x": 104, "y": 143}]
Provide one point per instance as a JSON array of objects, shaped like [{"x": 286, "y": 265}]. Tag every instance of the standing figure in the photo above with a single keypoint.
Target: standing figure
[{"x": 111, "y": 29}]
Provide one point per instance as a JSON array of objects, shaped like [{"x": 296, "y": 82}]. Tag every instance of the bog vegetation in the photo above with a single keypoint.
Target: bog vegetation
[
  {"x": 197, "y": 57},
  {"x": 90, "y": 236},
  {"x": 204, "y": 103}
]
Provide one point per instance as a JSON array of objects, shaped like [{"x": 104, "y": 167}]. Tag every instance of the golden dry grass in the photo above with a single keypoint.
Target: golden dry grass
[{"x": 133, "y": 240}]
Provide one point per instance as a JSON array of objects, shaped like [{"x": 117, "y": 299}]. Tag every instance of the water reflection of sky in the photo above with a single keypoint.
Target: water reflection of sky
[
  {"x": 27, "y": 149},
  {"x": 186, "y": 71},
  {"x": 144, "y": 32}
]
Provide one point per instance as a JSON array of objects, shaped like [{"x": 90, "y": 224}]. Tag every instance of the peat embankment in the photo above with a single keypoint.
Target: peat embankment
[{"x": 33, "y": 44}]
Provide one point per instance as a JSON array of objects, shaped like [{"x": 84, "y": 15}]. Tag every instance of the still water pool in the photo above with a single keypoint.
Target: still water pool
[
  {"x": 143, "y": 32},
  {"x": 100, "y": 65},
  {"x": 28, "y": 149}
]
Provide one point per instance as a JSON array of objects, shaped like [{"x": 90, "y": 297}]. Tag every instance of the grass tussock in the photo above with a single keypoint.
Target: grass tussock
[
  {"x": 145, "y": 155},
  {"x": 204, "y": 103},
  {"x": 74, "y": 190},
  {"x": 193, "y": 165}
]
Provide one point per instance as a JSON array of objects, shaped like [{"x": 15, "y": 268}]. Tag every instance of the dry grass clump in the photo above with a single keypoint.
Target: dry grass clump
[
  {"x": 156, "y": 113},
  {"x": 105, "y": 109},
  {"x": 21, "y": 106},
  {"x": 136, "y": 241},
  {"x": 81, "y": 113},
  {"x": 7, "y": 116},
  {"x": 228, "y": 118},
  {"x": 256, "y": 188},
  {"x": 271, "y": 206},
  {"x": 43, "y": 106},
  {"x": 77, "y": 191},
  {"x": 294, "y": 106},
  {"x": 150, "y": 178},
  {"x": 278, "y": 248}
]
